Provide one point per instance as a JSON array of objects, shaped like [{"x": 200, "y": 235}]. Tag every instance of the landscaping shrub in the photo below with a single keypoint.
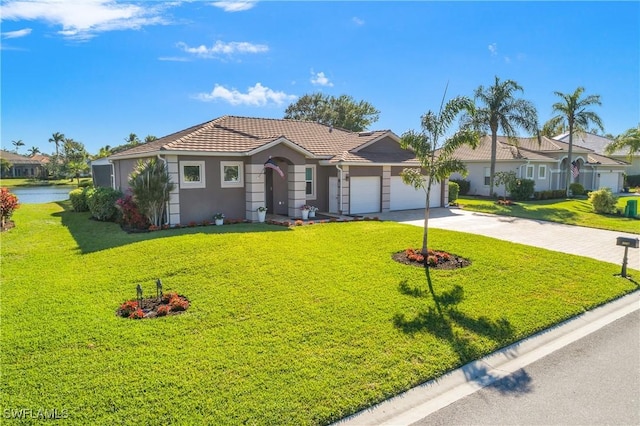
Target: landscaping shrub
[
  {"x": 102, "y": 203},
  {"x": 78, "y": 199},
  {"x": 522, "y": 189},
  {"x": 8, "y": 204},
  {"x": 454, "y": 190},
  {"x": 576, "y": 189},
  {"x": 603, "y": 201},
  {"x": 464, "y": 185},
  {"x": 85, "y": 184},
  {"x": 130, "y": 215}
]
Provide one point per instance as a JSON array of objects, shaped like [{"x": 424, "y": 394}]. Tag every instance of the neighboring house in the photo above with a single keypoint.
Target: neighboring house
[
  {"x": 21, "y": 166},
  {"x": 598, "y": 144},
  {"x": 544, "y": 163},
  {"x": 234, "y": 165}
]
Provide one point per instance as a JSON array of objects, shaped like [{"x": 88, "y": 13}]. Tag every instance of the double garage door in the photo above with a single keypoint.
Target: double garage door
[{"x": 365, "y": 192}]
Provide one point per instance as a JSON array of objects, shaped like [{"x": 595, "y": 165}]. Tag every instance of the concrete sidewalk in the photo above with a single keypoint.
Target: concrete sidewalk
[{"x": 589, "y": 242}]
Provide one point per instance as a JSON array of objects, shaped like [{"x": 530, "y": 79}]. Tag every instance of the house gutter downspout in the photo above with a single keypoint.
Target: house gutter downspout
[{"x": 339, "y": 188}]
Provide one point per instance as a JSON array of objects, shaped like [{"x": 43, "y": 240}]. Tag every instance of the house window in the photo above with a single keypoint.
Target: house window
[
  {"x": 542, "y": 172},
  {"x": 310, "y": 182},
  {"x": 529, "y": 173},
  {"x": 231, "y": 174},
  {"x": 487, "y": 176},
  {"x": 192, "y": 174}
]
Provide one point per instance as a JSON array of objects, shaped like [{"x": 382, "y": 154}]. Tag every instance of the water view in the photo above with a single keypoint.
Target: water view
[{"x": 42, "y": 194}]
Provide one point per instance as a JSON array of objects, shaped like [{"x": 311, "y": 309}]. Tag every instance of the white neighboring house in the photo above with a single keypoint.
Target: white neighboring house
[
  {"x": 544, "y": 161},
  {"x": 598, "y": 144}
]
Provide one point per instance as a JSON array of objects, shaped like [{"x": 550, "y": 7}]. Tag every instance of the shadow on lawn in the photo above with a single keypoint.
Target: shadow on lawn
[
  {"x": 440, "y": 322},
  {"x": 93, "y": 235}
]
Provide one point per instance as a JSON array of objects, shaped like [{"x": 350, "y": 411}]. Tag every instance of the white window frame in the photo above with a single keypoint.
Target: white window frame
[
  {"x": 185, "y": 184},
  {"x": 531, "y": 175},
  {"x": 542, "y": 172},
  {"x": 487, "y": 174},
  {"x": 227, "y": 184},
  {"x": 313, "y": 180}
]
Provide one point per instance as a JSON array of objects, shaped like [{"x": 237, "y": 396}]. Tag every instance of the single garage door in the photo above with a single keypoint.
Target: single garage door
[
  {"x": 609, "y": 180},
  {"x": 364, "y": 194},
  {"x": 405, "y": 197}
]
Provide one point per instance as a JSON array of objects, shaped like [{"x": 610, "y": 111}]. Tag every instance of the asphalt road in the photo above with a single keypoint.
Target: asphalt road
[{"x": 593, "y": 381}]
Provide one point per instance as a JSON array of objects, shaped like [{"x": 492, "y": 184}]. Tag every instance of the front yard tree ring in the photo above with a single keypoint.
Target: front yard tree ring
[{"x": 435, "y": 259}]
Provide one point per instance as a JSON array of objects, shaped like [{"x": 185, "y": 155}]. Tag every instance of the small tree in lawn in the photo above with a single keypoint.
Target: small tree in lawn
[
  {"x": 151, "y": 185},
  {"x": 436, "y": 156},
  {"x": 508, "y": 179}
]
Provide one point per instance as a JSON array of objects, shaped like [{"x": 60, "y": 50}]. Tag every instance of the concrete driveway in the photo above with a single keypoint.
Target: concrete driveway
[{"x": 594, "y": 243}]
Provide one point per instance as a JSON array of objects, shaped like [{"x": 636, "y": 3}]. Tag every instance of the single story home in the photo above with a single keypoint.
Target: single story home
[
  {"x": 21, "y": 166},
  {"x": 598, "y": 143},
  {"x": 234, "y": 165},
  {"x": 544, "y": 161}
]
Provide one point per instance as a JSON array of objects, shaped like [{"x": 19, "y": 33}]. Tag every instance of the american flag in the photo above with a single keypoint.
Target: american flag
[
  {"x": 270, "y": 164},
  {"x": 575, "y": 171}
]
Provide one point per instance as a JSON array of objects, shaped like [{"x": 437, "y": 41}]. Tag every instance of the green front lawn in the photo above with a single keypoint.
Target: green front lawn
[
  {"x": 570, "y": 211},
  {"x": 299, "y": 326}
]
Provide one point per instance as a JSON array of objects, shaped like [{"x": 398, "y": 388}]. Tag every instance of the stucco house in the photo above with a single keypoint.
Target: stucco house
[
  {"x": 543, "y": 161},
  {"x": 235, "y": 164},
  {"x": 598, "y": 143},
  {"x": 23, "y": 167}
]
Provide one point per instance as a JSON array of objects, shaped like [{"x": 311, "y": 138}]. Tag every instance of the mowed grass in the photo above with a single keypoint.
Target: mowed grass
[
  {"x": 300, "y": 326},
  {"x": 570, "y": 211}
]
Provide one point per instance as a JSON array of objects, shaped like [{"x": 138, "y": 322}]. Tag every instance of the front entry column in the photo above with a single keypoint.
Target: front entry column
[
  {"x": 254, "y": 189},
  {"x": 296, "y": 189}
]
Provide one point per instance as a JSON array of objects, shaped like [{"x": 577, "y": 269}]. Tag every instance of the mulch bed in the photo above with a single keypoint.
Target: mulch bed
[
  {"x": 151, "y": 307},
  {"x": 435, "y": 259}
]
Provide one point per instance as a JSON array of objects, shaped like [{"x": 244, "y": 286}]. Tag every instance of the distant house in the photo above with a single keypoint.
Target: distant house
[
  {"x": 545, "y": 163},
  {"x": 23, "y": 167},
  {"x": 598, "y": 143},
  {"x": 234, "y": 165}
]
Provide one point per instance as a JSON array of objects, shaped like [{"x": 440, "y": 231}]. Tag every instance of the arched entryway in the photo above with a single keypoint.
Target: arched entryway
[{"x": 277, "y": 187}]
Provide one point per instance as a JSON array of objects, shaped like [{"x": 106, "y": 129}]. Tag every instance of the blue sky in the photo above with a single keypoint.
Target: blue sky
[{"x": 97, "y": 70}]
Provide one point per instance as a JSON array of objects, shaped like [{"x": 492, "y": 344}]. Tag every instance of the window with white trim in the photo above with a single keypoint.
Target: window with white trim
[
  {"x": 192, "y": 174},
  {"x": 542, "y": 172},
  {"x": 487, "y": 176},
  {"x": 231, "y": 174},
  {"x": 530, "y": 171},
  {"x": 310, "y": 182}
]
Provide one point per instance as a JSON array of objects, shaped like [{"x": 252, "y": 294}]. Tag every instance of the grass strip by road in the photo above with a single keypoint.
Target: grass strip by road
[
  {"x": 569, "y": 211},
  {"x": 286, "y": 326}
]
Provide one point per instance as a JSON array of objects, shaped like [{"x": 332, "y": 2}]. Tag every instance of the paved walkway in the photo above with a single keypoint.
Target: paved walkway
[{"x": 589, "y": 242}]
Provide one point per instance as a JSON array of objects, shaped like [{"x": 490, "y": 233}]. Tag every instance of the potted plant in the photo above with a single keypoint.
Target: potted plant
[
  {"x": 305, "y": 211},
  {"x": 218, "y": 218},
  {"x": 312, "y": 211},
  {"x": 262, "y": 214}
]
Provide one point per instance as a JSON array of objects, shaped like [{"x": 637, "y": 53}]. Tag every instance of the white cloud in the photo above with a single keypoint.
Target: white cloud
[
  {"x": 82, "y": 19},
  {"x": 257, "y": 95},
  {"x": 17, "y": 34},
  {"x": 359, "y": 22},
  {"x": 234, "y": 6},
  {"x": 319, "y": 79},
  {"x": 221, "y": 48},
  {"x": 173, "y": 59},
  {"x": 493, "y": 48}
]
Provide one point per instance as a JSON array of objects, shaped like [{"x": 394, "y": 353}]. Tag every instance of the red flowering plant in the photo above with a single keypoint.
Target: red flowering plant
[
  {"x": 137, "y": 314},
  {"x": 131, "y": 217},
  {"x": 8, "y": 204},
  {"x": 163, "y": 310},
  {"x": 128, "y": 307}
]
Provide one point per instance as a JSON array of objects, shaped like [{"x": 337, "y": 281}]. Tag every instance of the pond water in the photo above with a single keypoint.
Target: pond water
[{"x": 42, "y": 194}]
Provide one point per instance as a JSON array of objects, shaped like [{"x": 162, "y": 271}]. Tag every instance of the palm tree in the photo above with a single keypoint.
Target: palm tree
[
  {"x": 33, "y": 151},
  {"x": 573, "y": 112},
  {"x": 500, "y": 110},
  {"x": 628, "y": 140},
  {"x": 105, "y": 151},
  {"x": 149, "y": 138},
  {"x": 132, "y": 140},
  {"x": 57, "y": 138},
  {"x": 436, "y": 157},
  {"x": 17, "y": 144}
]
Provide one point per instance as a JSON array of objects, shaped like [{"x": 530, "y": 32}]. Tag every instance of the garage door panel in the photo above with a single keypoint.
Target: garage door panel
[
  {"x": 609, "y": 180},
  {"x": 364, "y": 194},
  {"x": 405, "y": 197}
]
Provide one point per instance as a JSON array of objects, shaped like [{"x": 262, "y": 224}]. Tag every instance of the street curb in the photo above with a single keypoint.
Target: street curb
[{"x": 417, "y": 403}]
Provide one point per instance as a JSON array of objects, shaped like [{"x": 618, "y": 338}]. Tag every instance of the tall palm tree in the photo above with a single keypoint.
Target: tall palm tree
[
  {"x": 628, "y": 140},
  {"x": 435, "y": 151},
  {"x": 57, "y": 138},
  {"x": 17, "y": 144},
  {"x": 573, "y": 111},
  {"x": 132, "y": 140},
  {"x": 33, "y": 151},
  {"x": 149, "y": 138},
  {"x": 499, "y": 109}
]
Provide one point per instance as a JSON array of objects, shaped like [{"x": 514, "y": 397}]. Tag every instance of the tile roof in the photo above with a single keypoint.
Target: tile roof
[
  {"x": 232, "y": 134},
  {"x": 596, "y": 143},
  {"x": 17, "y": 158}
]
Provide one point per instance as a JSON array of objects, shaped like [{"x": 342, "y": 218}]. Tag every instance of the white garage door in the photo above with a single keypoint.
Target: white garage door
[
  {"x": 404, "y": 197},
  {"x": 609, "y": 180},
  {"x": 364, "y": 194}
]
